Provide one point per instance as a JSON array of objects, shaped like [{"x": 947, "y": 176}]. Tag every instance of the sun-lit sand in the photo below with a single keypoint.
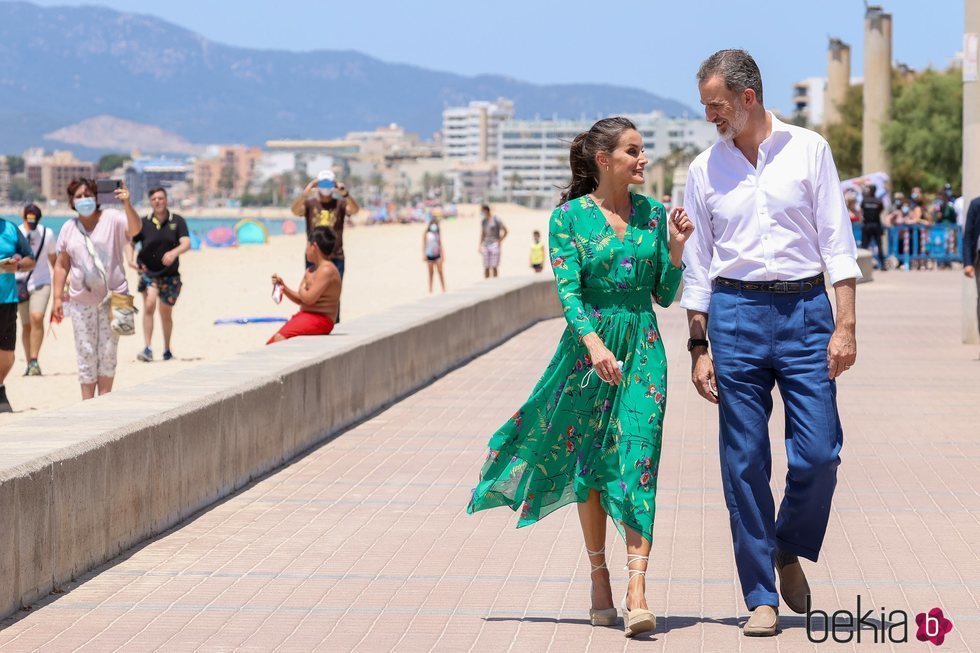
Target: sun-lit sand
[{"x": 384, "y": 268}]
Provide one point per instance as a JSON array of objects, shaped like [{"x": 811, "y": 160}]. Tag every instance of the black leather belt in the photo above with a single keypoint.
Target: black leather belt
[{"x": 801, "y": 285}]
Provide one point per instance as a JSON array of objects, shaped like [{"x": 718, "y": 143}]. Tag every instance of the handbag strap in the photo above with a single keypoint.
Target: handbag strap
[
  {"x": 90, "y": 246},
  {"x": 44, "y": 234}
]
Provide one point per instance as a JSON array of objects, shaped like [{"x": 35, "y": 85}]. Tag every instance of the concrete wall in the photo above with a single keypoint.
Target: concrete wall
[{"x": 84, "y": 484}]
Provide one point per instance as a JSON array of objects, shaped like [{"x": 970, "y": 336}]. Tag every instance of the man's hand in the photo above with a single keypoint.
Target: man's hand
[
  {"x": 969, "y": 271},
  {"x": 703, "y": 375},
  {"x": 841, "y": 351},
  {"x": 11, "y": 265},
  {"x": 169, "y": 257}
]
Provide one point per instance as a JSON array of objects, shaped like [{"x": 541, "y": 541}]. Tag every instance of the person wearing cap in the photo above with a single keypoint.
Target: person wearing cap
[
  {"x": 15, "y": 256},
  {"x": 329, "y": 207},
  {"x": 38, "y": 286}
]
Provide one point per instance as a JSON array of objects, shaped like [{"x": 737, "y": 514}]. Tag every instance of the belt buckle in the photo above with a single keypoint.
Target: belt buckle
[{"x": 780, "y": 287}]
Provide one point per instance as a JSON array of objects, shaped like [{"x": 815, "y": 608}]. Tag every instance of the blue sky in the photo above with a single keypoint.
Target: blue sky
[{"x": 655, "y": 45}]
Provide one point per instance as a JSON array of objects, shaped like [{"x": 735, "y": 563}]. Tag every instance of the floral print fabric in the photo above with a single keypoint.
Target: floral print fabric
[{"x": 575, "y": 432}]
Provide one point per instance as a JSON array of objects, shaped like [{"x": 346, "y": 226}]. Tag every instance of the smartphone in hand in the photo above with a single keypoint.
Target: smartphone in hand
[{"x": 105, "y": 190}]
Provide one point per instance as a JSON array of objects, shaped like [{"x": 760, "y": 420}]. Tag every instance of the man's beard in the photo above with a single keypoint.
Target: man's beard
[{"x": 735, "y": 126}]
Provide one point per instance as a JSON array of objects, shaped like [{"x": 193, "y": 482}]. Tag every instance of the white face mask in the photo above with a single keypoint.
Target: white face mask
[{"x": 433, "y": 228}]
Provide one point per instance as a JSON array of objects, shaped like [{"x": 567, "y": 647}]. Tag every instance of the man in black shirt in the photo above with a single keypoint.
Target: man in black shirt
[
  {"x": 971, "y": 246},
  {"x": 165, "y": 238},
  {"x": 871, "y": 230}
]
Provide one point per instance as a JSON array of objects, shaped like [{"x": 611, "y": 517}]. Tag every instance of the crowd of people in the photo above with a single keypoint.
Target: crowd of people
[
  {"x": 877, "y": 212},
  {"x": 81, "y": 273}
]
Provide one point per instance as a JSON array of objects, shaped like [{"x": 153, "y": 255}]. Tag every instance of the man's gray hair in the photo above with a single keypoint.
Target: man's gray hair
[{"x": 737, "y": 68}]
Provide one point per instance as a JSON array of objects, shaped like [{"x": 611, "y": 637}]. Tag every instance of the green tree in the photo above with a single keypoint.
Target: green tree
[
  {"x": 22, "y": 192},
  {"x": 109, "y": 162},
  {"x": 226, "y": 181},
  {"x": 15, "y": 164},
  {"x": 924, "y": 137},
  {"x": 845, "y": 137}
]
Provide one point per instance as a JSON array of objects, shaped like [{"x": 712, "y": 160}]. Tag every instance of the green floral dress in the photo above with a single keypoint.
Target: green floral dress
[{"x": 576, "y": 432}]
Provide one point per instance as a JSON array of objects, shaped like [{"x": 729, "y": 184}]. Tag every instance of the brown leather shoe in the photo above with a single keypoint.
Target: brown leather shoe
[
  {"x": 762, "y": 622},
  {"x": 793, "y": 586}
]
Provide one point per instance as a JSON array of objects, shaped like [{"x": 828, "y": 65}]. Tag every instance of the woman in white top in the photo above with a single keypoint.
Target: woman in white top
[
  {"x": 101, "y": 232},
  {"x": 42, "y": 242},
  {"x": 432, "y": 252}
]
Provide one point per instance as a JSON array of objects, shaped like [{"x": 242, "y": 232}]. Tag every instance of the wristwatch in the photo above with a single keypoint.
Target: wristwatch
[{"x": 696, "y": 342}]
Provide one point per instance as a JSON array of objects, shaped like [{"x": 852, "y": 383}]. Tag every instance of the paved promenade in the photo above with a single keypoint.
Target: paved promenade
[{"x": 364, "y": 544}]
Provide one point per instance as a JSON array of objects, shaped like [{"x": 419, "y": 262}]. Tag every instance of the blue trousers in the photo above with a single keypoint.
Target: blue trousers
[{"x": 759, "y": 340}]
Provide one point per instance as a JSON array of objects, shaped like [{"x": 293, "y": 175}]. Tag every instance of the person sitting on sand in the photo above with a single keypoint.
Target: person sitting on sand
[{"x": 318, "y": 295}]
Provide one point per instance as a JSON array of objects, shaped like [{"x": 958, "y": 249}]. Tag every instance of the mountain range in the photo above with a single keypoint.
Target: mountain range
[{"x": 65, "y": 65}]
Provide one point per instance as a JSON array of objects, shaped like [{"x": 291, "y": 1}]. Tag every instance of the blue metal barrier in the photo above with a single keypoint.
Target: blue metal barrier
[{"x": 914, "y": 243}]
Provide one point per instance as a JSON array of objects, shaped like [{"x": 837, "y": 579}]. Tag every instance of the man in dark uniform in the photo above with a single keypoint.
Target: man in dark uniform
[
  {"x": 165, "y": 237},
  {"x": 871, "y": 231}
]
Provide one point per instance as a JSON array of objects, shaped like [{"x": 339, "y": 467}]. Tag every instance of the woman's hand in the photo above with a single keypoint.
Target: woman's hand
[
  {"x": 122, "y": 194},
  {"x": 603, "y": 360},
  {"x": 680, "y": 229},
  {"x": 58, "y": 310}
]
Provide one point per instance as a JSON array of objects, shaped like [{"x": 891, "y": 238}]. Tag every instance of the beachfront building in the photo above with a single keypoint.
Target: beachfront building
[
  {"x": 142, "y": 174},
  {"x": 50, "y": 175},
  {"x": 470, "y": 134},
  {"x": 808, "y": 101},
  {"x": 225, "y": 171},
  {"x": 473, "y": 183},
  {"x": 533, "y": 154},
  {"x": 4, "y": 181}
]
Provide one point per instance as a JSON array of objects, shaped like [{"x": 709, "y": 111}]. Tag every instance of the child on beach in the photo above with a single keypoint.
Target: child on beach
[
  {"x": 318, "y": 295},
  {"x": 537, "y": 252}
]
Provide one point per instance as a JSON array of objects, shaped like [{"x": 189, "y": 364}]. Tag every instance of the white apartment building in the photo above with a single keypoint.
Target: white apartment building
[
  {"x": 470, "y": 134},
  {"x": 809, "y": 96},
  {"x": 533, "y": 154}
]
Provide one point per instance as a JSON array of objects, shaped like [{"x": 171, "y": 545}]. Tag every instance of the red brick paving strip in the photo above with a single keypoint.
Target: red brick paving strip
[{"x": 364, "y": 543}]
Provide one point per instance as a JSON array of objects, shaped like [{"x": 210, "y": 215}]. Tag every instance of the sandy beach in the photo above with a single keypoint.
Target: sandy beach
[{"x": 384, "y": 269}]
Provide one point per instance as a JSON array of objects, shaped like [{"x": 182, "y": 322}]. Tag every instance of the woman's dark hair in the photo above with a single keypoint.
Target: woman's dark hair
[
  {"x": 601, "y": 137},
  {"x": 77, "y": 183},
  {"x": 325, "y": 238}
]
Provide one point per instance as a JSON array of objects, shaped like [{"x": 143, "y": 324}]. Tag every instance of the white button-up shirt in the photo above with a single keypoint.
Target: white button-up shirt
[{"x": 781, "y": 220}]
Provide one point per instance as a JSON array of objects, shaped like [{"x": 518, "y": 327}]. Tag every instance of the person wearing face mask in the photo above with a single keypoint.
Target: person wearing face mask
[
  {"x": 91, "y": 258},
  {"x": 37, "y": 285},
  {"x": 15, "y": 256},
  {"x": 432, "y": 252},
  {"x": 328, "y": 206}
]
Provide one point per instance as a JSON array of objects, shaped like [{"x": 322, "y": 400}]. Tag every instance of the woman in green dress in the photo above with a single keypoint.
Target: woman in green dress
[{"x": 591, "y": 430}]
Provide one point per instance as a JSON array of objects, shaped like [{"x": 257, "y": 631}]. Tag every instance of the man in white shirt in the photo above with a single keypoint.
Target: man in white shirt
[
  {"x": 769, "y": 220},
  {"x": 42, "y": 241}
]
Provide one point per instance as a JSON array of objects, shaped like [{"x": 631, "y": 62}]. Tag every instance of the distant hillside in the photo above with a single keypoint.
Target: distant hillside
[
  {"x": 63, "y": 65},
  {"x": 107, "y": 132}
]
